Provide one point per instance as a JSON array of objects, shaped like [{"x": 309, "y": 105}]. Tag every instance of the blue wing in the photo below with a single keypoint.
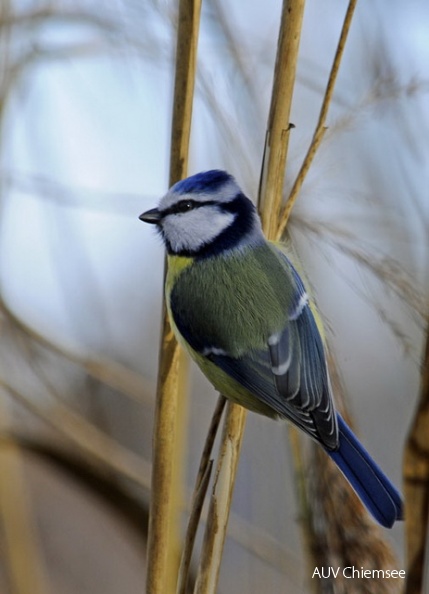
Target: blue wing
[
  {"x": 290, "y": 375},
  {"x": 300, "y": 392}
]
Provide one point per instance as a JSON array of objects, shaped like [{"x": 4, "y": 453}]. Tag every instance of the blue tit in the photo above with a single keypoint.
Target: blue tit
[{"x": 239, "y": 307}]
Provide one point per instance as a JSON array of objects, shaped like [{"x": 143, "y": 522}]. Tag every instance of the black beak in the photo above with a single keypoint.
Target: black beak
[{"x": 152, "y": 216}]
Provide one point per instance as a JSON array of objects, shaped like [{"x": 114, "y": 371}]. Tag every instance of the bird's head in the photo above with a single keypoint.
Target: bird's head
[{"x": 204, "y": 215}]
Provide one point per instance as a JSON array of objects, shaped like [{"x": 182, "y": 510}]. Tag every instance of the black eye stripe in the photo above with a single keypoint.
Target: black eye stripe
[
  {"x": 243, "y": 222},
  {"x": 187, "y": 205}
]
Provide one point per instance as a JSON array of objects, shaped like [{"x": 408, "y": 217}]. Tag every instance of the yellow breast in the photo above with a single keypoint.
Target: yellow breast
[{"x": 176, "y": 264}]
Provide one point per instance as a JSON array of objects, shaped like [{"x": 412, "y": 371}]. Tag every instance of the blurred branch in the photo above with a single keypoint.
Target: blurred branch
[
  {"x": 129, "y": 504},
  {"x": 320, "y": 127},
  {"x": 109, "y": 372},
  {"x": 5, "y": 47},
  {"x": 385, "y": 269},
  {"x": 81, "y": 468},
  {"x": 86, "y": 436},
  {"x": 384, "y": 89},
  {"x": 241, "y": 59},
  {"x": 168, "y": 436},
  {"x": 44, "y": 14},
  {"x": 51, "y": 190},
  {"x": 247, "y": 114},
  {"x": 416, "y": 485},
  {"x": 97, "y": 33},
  {"x": 22, "y": 549},
  {"x": 37, "y": 53}
]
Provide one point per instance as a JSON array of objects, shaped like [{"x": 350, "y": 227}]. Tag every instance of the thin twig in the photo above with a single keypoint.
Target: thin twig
[
  {"x": 163, "y": 539},
  {"x": 193, "y": 523},
  {"x": 384, "y": 268},
  {"x": 220, "y": 503},
  {"x": 211, "y": 436},
  {"x": 312, "y": 150},
  {"x": 320, "y": 127},
  {"x": 201, "y": 486}
]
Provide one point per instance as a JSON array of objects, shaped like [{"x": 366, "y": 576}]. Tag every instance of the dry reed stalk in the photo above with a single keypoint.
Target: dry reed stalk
[
  {"x": 330, "y": 538},
  {"x": 272, "y": 178},
  {"x": 22, "y": 551},
  {"x": 416, "y": 486},
  {"x": 220, "y": 502},
  {"x": 200, "y": 490},
  {"x": 320, "y": 127},
  {"x": 276, "y": 145},
  {"x": 327, "y": 535},
  {"x": 163, "y": 539},
  {"x": 309, "y": 534}
]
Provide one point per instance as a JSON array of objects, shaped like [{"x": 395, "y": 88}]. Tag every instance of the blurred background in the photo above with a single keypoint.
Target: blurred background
[{"x": 85, "y": 106}]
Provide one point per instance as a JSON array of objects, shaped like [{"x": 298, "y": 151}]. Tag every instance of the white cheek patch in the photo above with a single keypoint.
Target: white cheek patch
[{"x": 192, "y": 230}]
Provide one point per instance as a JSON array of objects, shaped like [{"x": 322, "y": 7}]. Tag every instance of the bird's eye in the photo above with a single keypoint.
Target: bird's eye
[{"x": 184, "y": 205}]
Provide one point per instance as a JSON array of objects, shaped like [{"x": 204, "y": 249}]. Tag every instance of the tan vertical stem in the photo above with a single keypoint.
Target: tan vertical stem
[
  {"x": 163, "y": 539},
  {"x": 320, "y": 127},
  {"x": 277, "y": 141},
  {"x": 200, "y": 491},
  {"x": 278, "y": 123},
  {"x": 220, "y": 503},
  {"x": 186, "y": 62},
  {"x": 272, "y": 179}
]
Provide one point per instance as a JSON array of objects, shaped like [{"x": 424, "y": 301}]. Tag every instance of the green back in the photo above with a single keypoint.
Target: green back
[{"x": 233, "y": 301}]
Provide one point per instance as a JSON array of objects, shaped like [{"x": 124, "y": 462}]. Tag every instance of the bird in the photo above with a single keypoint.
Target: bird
[{"x": 238, "y": 305}]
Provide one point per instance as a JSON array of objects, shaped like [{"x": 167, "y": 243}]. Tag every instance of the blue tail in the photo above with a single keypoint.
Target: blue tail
[{"x": 375, "y": 490}]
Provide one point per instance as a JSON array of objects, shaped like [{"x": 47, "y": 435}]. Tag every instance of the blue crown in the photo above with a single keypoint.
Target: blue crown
[{"x": 207, "y": 182}]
